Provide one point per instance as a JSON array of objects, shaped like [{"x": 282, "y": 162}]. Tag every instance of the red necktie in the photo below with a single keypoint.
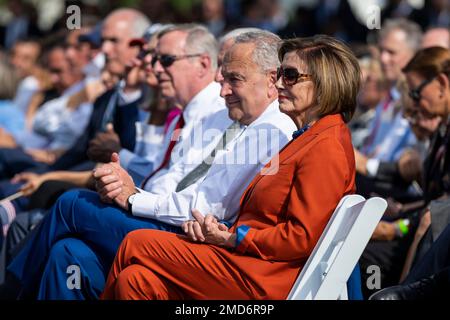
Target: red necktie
[{"x": 175, "y": 135}]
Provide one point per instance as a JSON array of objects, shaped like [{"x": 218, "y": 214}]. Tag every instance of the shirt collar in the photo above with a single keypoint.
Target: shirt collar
[
  {"x": 202, "y": 101},
  {"x": 299, "y": 132}
]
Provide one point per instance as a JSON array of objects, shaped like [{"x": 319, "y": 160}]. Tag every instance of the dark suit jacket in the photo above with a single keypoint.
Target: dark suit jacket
[{"x": 124, "y": 125}]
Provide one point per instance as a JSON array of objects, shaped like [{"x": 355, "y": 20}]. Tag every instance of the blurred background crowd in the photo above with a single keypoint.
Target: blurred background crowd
[{"x": 51, "y": 78}]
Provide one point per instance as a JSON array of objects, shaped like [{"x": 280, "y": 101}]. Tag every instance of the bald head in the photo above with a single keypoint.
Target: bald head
[
  {"x": 119, "y": 27},
  {"x": 436, "y": 37},
  {"x": 136, "y": 22}
]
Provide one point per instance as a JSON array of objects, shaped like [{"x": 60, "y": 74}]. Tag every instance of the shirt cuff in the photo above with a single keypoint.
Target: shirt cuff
[
  {"x": 241, "y": 232},
  {"x": 125, "y": 157},
  {"x": 372, "y": 167},
  {"x": 145, "y": 204},
  {"x": 227, "y": 223}
]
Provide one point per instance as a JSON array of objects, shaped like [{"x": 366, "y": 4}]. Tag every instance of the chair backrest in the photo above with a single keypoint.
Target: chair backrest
[{"x": 339, "y": 248}]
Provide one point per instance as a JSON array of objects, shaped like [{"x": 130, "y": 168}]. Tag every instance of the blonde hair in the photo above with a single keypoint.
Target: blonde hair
[{"x": 334, "y": 70}]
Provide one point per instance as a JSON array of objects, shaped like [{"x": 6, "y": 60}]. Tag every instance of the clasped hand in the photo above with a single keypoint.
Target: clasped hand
[
  {"x": 113, "y": 183},
  {"x": 207, "y": 229}
]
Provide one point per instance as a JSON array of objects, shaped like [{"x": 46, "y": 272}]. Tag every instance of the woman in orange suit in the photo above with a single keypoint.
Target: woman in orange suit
[{"x": 282, "y": 213}]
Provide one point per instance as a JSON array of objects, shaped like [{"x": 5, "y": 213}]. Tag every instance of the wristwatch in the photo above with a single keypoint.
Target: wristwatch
[{"x": 130, "y": 202}]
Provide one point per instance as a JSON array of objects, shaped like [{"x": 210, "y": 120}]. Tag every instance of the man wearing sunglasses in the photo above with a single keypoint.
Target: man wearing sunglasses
[{"x": 252, "y": 107}]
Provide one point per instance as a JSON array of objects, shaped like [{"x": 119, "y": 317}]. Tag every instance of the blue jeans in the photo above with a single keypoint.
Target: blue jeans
[{"x": 80, "y": 233}]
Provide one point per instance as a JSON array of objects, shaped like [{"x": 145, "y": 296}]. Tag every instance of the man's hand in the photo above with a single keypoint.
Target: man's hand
[
  {"x": 360, "y": 162},
  {"x": 209, "y": 230},
  {"x": 113, "y": 183},
  {"x": 104, "y": 145}
]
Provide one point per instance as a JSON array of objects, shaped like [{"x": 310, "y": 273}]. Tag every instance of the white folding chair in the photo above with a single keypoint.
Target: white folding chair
[{"x": 325, "y": 274}]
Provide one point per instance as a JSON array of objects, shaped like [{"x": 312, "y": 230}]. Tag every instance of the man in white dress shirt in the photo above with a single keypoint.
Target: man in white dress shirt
[{"x": 258, "y": 130}]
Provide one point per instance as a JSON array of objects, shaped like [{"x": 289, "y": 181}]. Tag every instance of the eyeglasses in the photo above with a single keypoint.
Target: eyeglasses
[
  {"x": 291, "y": 76},
  {"x": 415, "y": 93},
  {"x": 167, "y": 60}
]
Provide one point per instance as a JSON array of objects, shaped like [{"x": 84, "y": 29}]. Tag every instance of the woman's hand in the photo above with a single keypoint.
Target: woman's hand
[
  {"x": 209, "y": 230},
  {"x": 32, "y": 182}
]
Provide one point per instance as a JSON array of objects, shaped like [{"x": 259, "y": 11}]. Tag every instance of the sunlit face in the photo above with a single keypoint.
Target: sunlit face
[
  {"x": 116, "y": 35},
  {"x": 422, "y": 123},
  {"x": 149, "y": 74},
  {"x": 432, "y": 93},
  {"x": 371, "y": 91},
  {"x": 394, "y": 54},
  {"x": 298, "y": 98},
  {"x": 180, "y": 74},
  {"x": 246, "y": 89},
  {"x": 24, "y": 56},
  {"x": 77, "y": 54},
  {"x": 61, "y": 74}
]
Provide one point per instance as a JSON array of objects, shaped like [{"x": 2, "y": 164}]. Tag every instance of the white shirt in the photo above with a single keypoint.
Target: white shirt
[
  {"x": 25, "y": 91},
  {"x": 55, "y": 126},
  {"x": 233, "y": 169},
  {"x": 205, "y": 103},
  {"x": 149, "y": 144}
]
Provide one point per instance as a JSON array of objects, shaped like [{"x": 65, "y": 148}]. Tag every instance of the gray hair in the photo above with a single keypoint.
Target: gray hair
[
  {"x": 199, "y": 40},
  {"x": 413, "y": 32},
  {"x": 236, "y": 33},
  {"x": 265, "y": 52}
]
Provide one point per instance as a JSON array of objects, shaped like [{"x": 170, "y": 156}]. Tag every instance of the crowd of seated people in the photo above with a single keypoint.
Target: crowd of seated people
[{"x": 166, "y": 162}]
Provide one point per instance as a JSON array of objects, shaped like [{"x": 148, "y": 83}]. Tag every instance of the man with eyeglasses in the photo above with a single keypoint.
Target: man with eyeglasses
[{"x": 165, "y": 202}]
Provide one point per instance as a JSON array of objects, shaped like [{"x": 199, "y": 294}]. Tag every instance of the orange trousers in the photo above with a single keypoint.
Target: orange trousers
[{"x": 153, "y": 264}]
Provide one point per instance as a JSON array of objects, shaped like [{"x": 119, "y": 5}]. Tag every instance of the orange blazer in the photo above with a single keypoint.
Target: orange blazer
[{"x": 282, "y": 215}]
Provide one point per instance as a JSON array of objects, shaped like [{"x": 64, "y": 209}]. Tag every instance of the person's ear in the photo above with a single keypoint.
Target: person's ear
[
  {"x": 205, "y": 64},
  {"x": 271, "y": 82},
  {"x": 444, "y": 84}
]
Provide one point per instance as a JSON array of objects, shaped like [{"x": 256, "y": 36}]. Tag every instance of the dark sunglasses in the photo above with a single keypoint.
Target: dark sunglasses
[
  {"x": 167, "y": 60},
  {"x": 415, "y": 93},
  {"x": 291, "y": 76}
]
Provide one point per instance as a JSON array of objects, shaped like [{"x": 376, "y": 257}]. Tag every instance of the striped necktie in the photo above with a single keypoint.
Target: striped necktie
[{"x": 203, "y": 167}]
